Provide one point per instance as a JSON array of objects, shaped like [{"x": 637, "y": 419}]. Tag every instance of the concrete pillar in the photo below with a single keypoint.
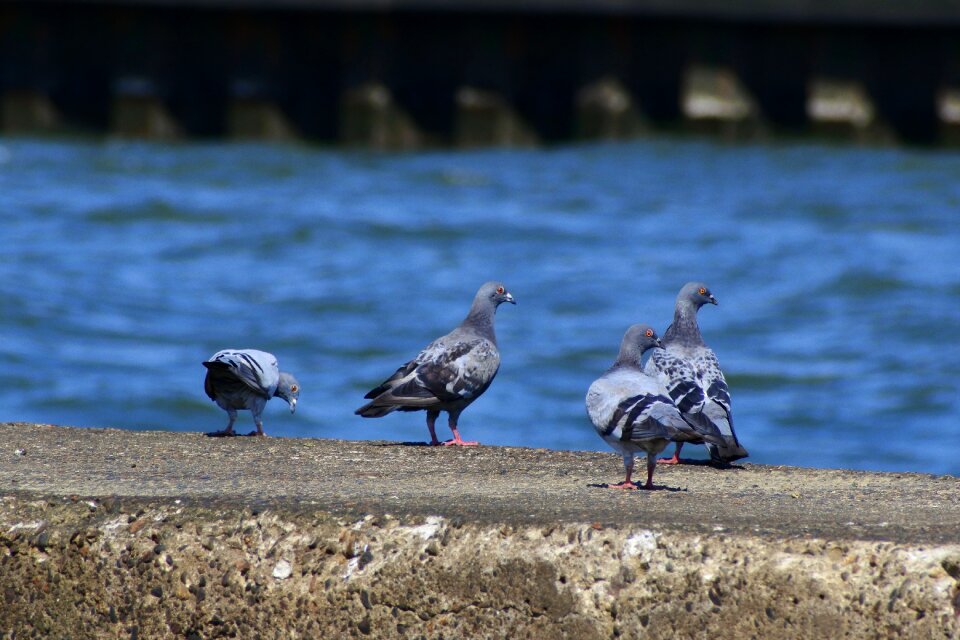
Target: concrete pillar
[
  {"x": 843, "y": 107},
  {"x": 27, "y": 111},
  {"x": 606, "y": 110},
  {"x": 370, "y": 117},
  {"x": 486, "y": 118},
  {"x": 254, "y": 115},
  {"x": 714, "y": 99},
  {"x": 948, "y": 112},
  {"x": 139, "y": 112}
]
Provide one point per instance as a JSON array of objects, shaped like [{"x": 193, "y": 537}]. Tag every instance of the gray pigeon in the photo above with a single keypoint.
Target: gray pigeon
[
  {"x": 632, "y": 411},
  {"x": 450, "y": 373},
  {"x": 689, "y": 370},
  {"x": 246, "y": 379}
]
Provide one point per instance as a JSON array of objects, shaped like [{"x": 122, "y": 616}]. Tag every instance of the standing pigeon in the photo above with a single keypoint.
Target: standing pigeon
[
  {"x": 632, "y": 411},
  {"x": 689, "y": 370},
  {"x": 450, "y": 373},
  {"x": 246, "y": 379}
]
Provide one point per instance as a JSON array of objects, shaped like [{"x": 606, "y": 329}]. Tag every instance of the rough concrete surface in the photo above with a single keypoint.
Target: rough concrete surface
[{"x": 122, "y": 534}]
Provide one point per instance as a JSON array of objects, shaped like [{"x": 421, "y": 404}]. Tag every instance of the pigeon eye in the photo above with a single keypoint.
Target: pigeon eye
[
  {"x": 703, "y": 291},
  {"x": 500, "y": 289},
  {"x": 294, "y": 388},
  {"x": 649, "y": 333}
]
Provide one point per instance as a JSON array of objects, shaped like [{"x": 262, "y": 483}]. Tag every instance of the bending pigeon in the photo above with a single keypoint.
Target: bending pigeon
[
  {"x": 689, "y": 370},
  {"x": 632, "y": 411},
  {"x": 450, "y": 373},
  {"x": 246, "y": 379}
]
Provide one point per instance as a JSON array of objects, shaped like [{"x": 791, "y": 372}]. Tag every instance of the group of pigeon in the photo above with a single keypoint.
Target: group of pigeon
[{"x": 679, "y": 395}]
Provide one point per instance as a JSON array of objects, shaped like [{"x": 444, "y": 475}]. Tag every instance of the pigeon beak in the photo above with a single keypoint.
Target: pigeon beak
[
  {"x": 508, "y": 297},
  {"x": 293, "y": 405},
  {"x": 713, "y": 300}
]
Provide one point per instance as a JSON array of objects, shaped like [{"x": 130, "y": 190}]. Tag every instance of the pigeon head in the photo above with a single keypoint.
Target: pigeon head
[
  {"x": 697, "y": 294},
  {"x": 636, "y": 341},
  {"x": 289, "y": 390},
  {"x": 495, "y": 293}
]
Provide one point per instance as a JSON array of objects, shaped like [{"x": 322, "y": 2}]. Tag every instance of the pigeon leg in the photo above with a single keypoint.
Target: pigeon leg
[
  {"x": 258, "y": 420},
  {"x": 651, "y": 465},
  {"x": 229, "y": 430},
  {"x": 431, "y": 421},
  {"x": 676, "y": 456},
  {"x": 457, "y": 440},
  {"x": 626, "y": 484}
]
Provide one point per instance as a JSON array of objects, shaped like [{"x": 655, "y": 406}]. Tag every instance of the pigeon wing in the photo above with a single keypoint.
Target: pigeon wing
[
  {"x": 717, "y": 408},
  {"x": 678, "y": 378},
  {"x": 635, "y": 416},
  {"x": 446, "y": 371},
  {"x": 257, "y": 370},
  {"x": 717, "y": 395}
]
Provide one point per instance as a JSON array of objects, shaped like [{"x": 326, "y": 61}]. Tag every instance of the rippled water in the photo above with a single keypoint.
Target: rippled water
[{"x": 126, "y": 265}]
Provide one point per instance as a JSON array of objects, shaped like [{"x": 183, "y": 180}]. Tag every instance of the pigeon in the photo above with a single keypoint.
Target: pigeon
[
  {"x": 689, "y": 370},
  {"x": 450, "y": 373},
  {"x": 246, "y": 379},
  {"x": 632, "y": 411}
]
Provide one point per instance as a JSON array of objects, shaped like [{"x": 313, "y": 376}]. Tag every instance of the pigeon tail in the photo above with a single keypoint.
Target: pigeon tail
[
  {"x": 374, "y": 410},
  {"x": 727, "y": 451}
]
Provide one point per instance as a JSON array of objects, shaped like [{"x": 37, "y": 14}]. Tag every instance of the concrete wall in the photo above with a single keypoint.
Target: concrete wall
[
  {"x": 108, "y": 533},
  {"x": 127, "y": 568}
]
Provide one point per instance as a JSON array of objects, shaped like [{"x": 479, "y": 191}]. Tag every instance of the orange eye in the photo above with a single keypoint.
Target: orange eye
[
  {"x": 500, "y": 289},
  {"x": 649, "y": 333},
  {"x": 703, "y": 291},
  {"x": 294, "y": 388}
]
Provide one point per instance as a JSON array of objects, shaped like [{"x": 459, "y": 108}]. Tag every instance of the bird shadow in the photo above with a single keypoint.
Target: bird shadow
[
  {"x": 424, "y": 444},
  {"x": 232, "y": 434},
  {"x": 403, "y": 444},
  {"x": 697, "y": 462},
  {"x": 639, "y": 489}
]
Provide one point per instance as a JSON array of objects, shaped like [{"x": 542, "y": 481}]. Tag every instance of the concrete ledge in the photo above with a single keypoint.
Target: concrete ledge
[{"x": 159, "y": 534}]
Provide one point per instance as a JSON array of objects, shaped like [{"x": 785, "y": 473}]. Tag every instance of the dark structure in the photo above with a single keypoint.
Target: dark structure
[{"x": 408, "y": 73}]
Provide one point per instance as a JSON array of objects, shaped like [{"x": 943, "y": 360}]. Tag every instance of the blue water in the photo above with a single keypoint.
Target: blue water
[{"x": 837, "y": 271}]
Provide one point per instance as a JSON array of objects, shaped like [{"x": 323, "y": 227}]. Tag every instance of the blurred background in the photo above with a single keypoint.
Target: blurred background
[{"x": 331, "y": 180}]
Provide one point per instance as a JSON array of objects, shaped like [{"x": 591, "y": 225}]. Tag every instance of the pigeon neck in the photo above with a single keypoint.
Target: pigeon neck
[
  {"x": 631, "y": 362},
  {"x": 480, "y": 319},
  {"x": 684, "y": 328},
  {"x": 629, "y": 358}
]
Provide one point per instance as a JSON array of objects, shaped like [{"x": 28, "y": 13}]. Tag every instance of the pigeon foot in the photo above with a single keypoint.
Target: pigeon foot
[
  {"x": 257, "y": 434},
  {"x": 674, "y": 460},
  {"x": 457, "y": 442}
]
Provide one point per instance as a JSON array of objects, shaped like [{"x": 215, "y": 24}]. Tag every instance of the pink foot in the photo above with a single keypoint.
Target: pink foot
[
  {"x": 457, "y": 440},
  {"x": 674, "y": 460},
  {"x": 625, "y": 485}
]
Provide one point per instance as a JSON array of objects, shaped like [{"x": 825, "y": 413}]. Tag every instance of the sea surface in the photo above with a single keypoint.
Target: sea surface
[{"x": 837, "y": 268}]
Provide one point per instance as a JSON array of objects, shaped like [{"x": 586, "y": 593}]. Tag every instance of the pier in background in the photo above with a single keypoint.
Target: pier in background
[{"x": 406, "y": 74}]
